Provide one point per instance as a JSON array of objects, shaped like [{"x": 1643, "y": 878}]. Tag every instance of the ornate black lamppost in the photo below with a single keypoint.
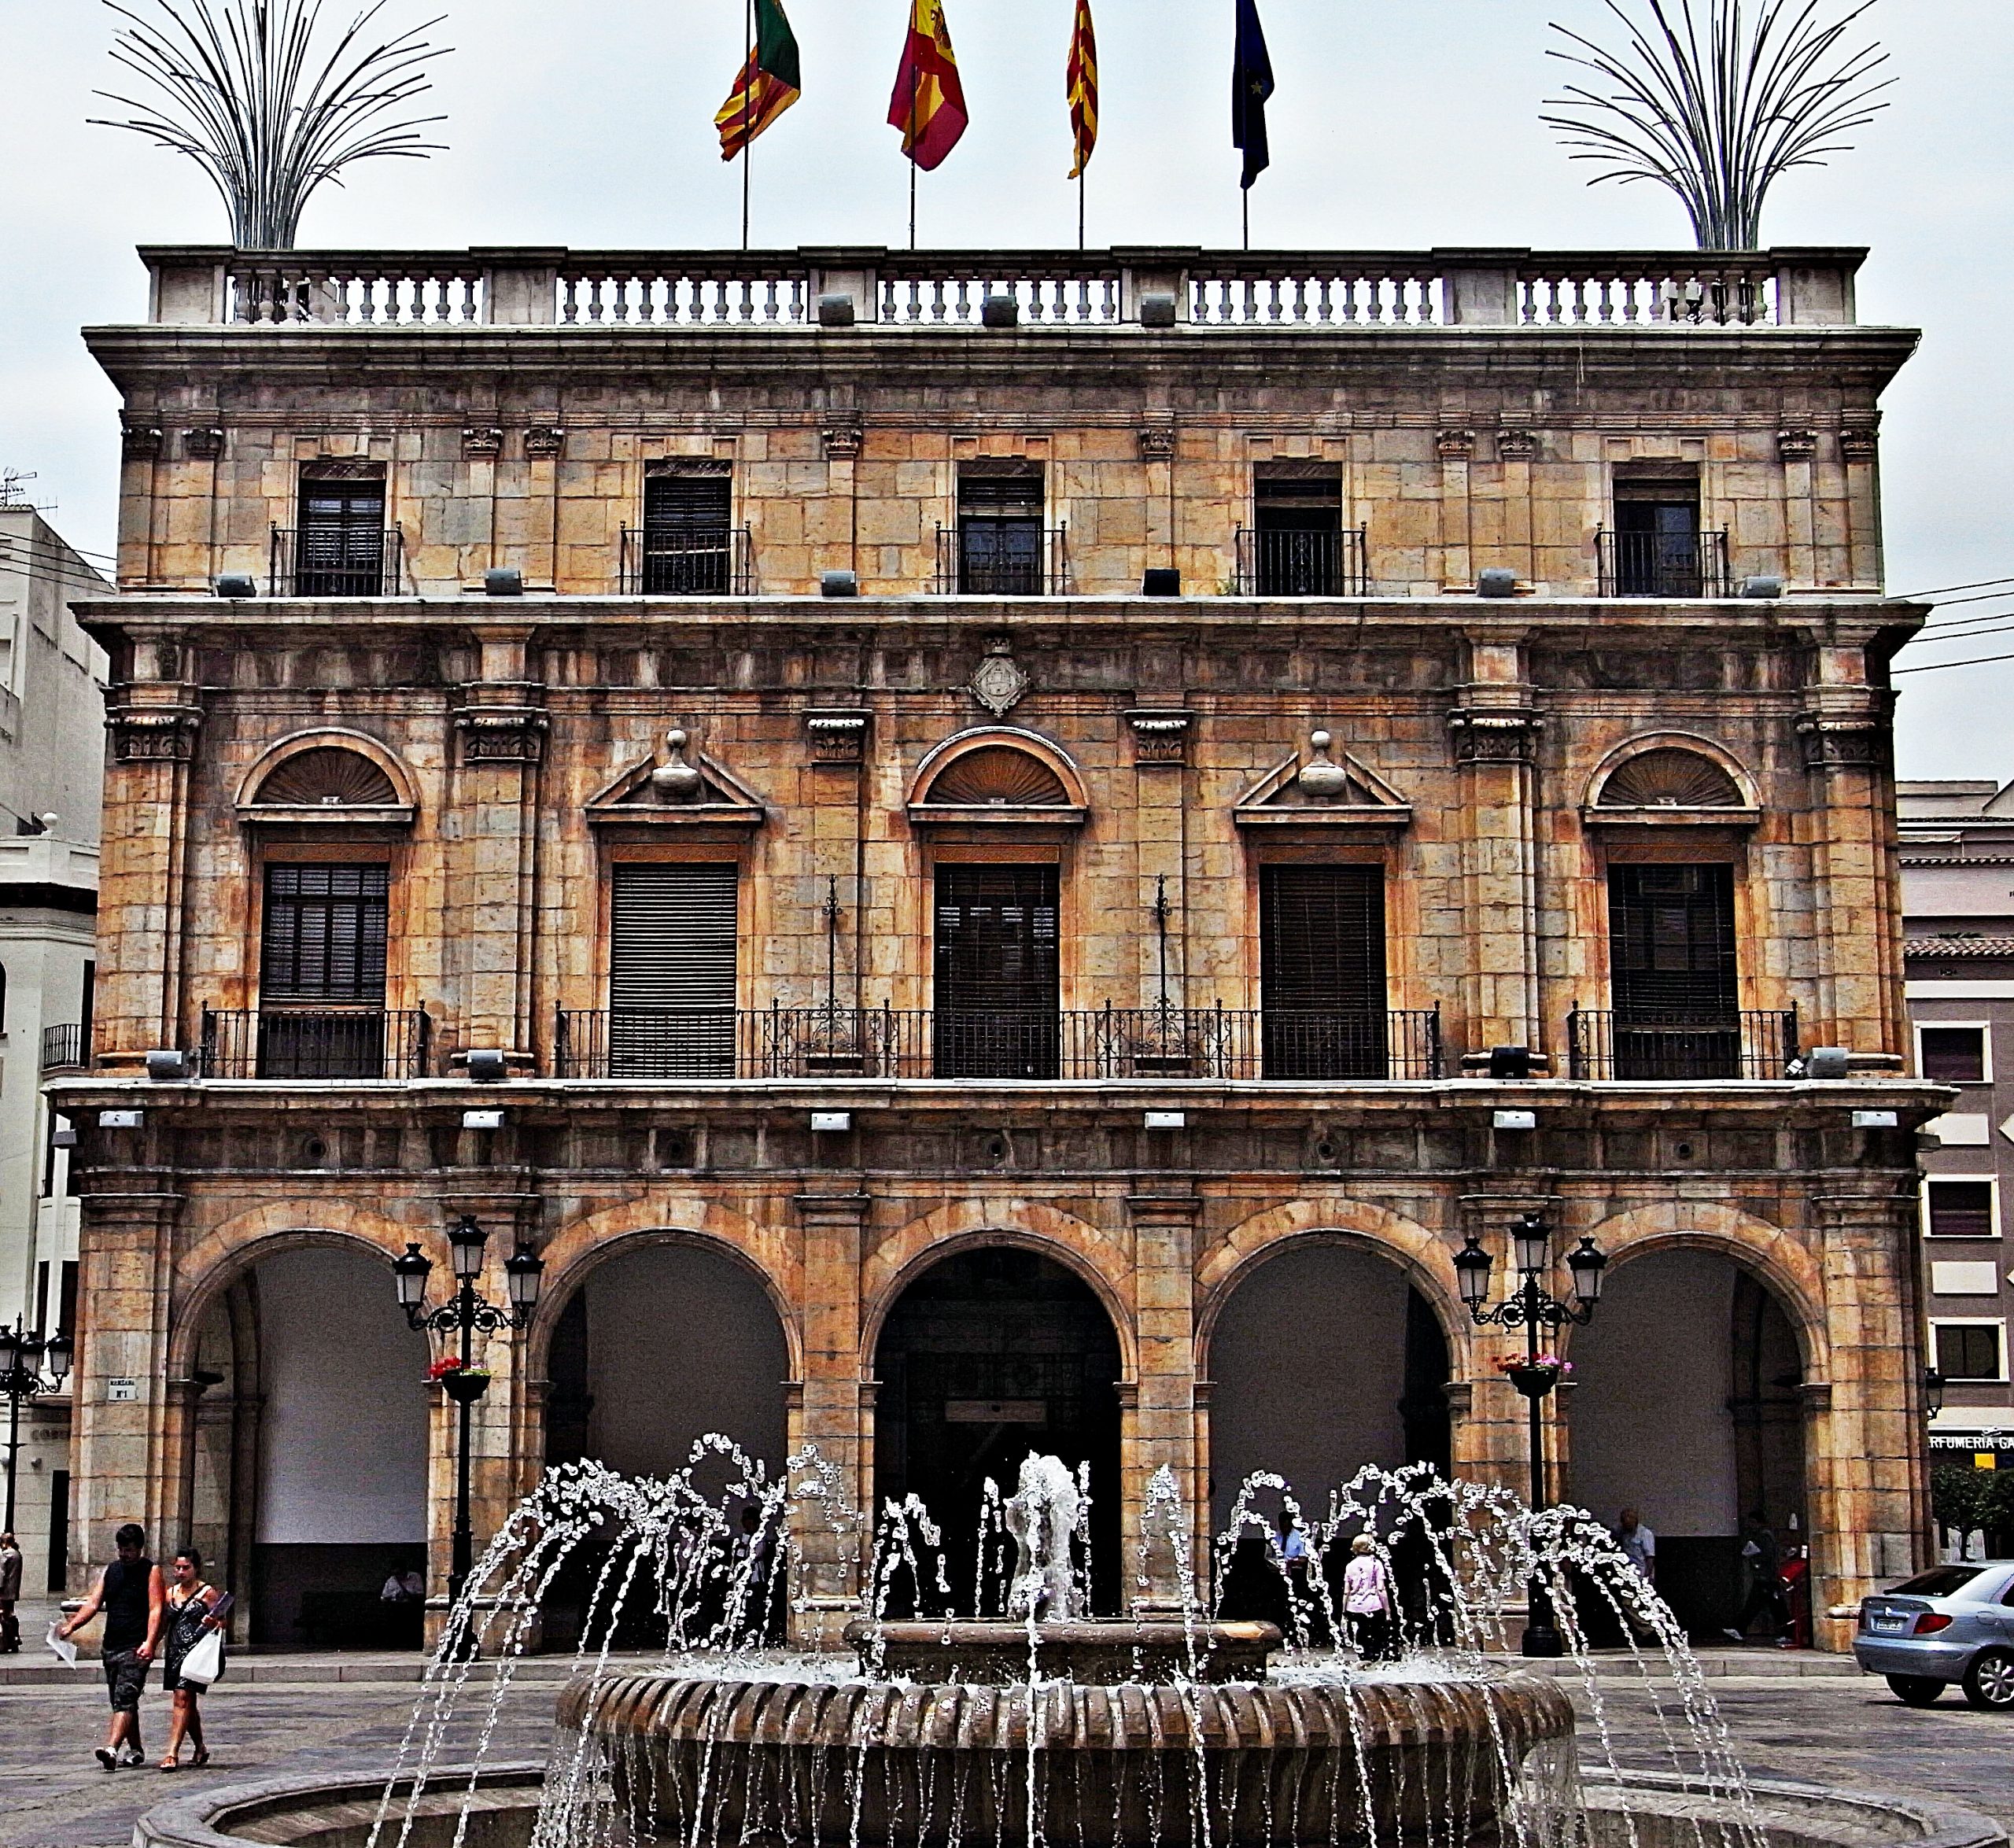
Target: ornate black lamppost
[
  {"x": 21, "y": 1359},
  {"x": 1933, "y": 1391},
  {"x": 1532, "y": 1306},
  {"x": 464, "y": 1314}
]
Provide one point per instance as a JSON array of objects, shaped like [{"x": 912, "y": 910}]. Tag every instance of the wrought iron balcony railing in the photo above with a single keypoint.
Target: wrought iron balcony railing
[
  {"x": 1002, "y": 558},
  {"x": 1664, "y": 565},
  {"x": 1670, "y": 1047},
  {"x": 1303, "y": 564},
  {"x": 360, "y": 1043},
  {"x": 335, "y": 561},
  {"x": 63, "y": 1047},
  {"x": 780, "y": 1043},
  {"x": 709, "y": 561}
]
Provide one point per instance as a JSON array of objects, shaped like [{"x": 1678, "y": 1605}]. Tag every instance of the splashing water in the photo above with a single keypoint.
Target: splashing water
[{"x": 701, "y": 1587}]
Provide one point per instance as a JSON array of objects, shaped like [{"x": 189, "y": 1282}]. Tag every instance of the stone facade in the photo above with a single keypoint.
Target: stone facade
[{"x": 511, "y": 755}]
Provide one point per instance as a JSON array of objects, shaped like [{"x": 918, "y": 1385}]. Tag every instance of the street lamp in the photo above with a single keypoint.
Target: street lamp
[
  {"x": 464, "y": 1314},
  {"x": 1933, "y": 1391},
  {"x": 1531, "y": 1307},
  {"x": 23, "y": 1358}
]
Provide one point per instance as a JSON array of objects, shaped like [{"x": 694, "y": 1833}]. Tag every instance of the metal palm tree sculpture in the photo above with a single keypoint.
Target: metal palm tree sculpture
[
  {"x": 254, "y": 94},
  {"x": 1717, "y": 102}
]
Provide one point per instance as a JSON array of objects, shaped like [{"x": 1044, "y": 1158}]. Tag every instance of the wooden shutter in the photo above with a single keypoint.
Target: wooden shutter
[
  {"x": 1672, "y": 942},
  {"x": 1322, "y": 971},
  {"x": 325, "y": 934},
  {"x": 342, "y": 538},
  {"x": 673, "y": 934},
  {"x": 998, "y": 978}
]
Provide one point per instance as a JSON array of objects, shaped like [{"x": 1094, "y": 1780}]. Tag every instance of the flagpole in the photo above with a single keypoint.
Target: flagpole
[
  {"x": 748, "y": 141},
  {"x": 1081, "y": 179},
  {"x": 916, "y": 90}
]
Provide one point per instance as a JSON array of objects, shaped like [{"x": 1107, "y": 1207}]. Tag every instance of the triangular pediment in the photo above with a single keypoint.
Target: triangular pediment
[
  {"x": 678, "y": 784},
  {"x": 1349, "y": 793}
]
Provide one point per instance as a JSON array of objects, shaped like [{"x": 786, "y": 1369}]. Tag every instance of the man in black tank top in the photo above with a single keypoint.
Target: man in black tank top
[{"x": 134, "y": 1600}]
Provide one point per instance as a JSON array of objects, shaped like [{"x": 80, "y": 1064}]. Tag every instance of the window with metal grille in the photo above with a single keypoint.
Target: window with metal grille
[
  {"x": 673, "y": 935},
  {"x": 998, "y": 972},
  {"x": 1969, "y": 1350},
  {"x": 1322, "y": 971},
  {"x": 1953, "y": 1055},
  {"x": 1960, "y": 1209},
  {"x": 1298, "y": 524},
  {"x": 325, "y": 934},
  {"x": 1658, "y": 535},
  {"x": 1000, "y": 536},
  {"x": 1672, "y": 942},
  {"x": 688, "y": 536},
  {"x": 340, "y": 550}
]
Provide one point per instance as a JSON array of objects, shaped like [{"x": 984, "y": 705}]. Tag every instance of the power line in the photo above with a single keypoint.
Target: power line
[{"x": 1939, "y": 666}]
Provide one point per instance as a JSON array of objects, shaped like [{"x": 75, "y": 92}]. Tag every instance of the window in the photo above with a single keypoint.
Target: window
[
  {"x": 998, "y": 993},
  {"x": 1322, "y": 971},
  {"x": 1969, "y": 1350},
  {"x": 1297, "y": 532},
  {"x": 325, "y": 934},
  {"x": 688, "y": 538},
  {"x": 1672, "y": 970},
  {"x": 1960, "y": 1208},
  {"x": 1658, "y": 549},
  {"x": 673, "y": 932},
  {"x": 1953, "y": 1055},
  {"x": 1002, "y": 542},
  {"x": 340, "y": 550}
]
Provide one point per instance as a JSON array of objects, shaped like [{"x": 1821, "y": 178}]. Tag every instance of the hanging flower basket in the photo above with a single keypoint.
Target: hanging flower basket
[
  {"x": 463, "y": 1384},
  {"x": 1534, "y": 1378}
]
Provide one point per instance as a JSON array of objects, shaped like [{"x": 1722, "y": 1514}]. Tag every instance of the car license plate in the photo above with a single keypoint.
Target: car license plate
[{"x": 1890, "y": 1626}]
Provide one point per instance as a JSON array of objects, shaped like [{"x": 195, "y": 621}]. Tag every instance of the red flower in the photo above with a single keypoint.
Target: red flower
[{"x": 446, "y": 1364}]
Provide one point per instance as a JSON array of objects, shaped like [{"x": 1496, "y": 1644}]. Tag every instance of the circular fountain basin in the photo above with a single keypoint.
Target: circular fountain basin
[
  {"x": 994, "y": 1654},
  {"x": 717, "y": 1762}
]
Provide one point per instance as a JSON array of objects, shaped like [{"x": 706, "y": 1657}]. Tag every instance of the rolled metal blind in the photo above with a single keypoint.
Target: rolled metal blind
[
  {"x": 684, "y": 504},
  {"x": 1672, "y": 941},
  {"x": 672, "y": 939},
  {"x": 1322, "y": 939}
]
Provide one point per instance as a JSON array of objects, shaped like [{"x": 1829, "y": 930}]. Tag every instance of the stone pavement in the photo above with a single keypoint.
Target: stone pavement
[{"x": 1823, "y": 1727}]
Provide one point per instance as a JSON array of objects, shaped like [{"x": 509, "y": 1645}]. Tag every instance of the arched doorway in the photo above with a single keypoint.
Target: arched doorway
[
  {"x": 309, "y": 1468},
  {"x": 662, "y": 1345},
  {"x": 1324, "y": 1358},
  {"x": 1687, "y": 1407},
  {"x": 993, "y": 1355}
]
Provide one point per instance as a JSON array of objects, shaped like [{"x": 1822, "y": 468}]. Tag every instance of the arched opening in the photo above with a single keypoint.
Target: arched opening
[
  {"x": 307, "y": 1490},
  {"x": 992, "y": 1355},
  {"x": 1686, "y": 1408},
  {"x": 1326, "y": 1358}
]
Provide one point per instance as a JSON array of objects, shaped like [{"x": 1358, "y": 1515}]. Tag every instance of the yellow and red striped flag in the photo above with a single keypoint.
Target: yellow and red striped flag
[
  {"x": 769, "y": 83},
  {"x": 1082, "y": 83},
  {"x": 929, "y": 103}
]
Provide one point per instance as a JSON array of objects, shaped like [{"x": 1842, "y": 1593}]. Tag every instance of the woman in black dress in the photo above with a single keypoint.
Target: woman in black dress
[{"x": 190, "y": 1604}]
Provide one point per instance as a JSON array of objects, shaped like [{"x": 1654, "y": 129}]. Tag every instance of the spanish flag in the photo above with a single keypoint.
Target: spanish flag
[
  {"x": 770, "y": 81},
  {"x": 1082, "y": 86},
  {"x": 929, "y": 103}
]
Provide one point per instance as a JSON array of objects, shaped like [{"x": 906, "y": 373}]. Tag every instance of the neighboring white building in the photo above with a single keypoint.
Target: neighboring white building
[{"x": 52, "y": 757}]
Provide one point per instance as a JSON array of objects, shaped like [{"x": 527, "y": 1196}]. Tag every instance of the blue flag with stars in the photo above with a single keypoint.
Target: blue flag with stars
[{"x": 1251, "y": 83}]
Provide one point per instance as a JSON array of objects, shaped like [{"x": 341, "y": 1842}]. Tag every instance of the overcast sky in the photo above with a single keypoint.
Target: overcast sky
[{"x": 1398, "y": 124}]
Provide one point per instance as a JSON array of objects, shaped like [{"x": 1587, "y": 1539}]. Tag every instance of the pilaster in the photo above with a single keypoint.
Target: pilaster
[
  {"x": 1157, "y": 1430},
  {"x": 835, "y": 1408}
]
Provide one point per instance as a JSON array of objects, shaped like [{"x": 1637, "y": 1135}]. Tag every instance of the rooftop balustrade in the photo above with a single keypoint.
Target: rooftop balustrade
[{"x": 801, "y": 291}]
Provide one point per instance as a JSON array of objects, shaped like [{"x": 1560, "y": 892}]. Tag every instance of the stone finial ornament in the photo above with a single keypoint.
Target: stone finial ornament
[
  {"x": 675, "y": 781},
  {"x": 1322, "y": 779}
]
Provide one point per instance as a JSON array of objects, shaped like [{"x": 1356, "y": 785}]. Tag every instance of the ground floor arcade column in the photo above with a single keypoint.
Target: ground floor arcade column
[{"x": 829, "y": 1410}]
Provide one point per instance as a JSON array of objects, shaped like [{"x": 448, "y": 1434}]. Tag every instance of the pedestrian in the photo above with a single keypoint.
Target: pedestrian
[
  {"x": 10, "y": 1593},
  {"x": 1638, "y": 1545},
  {"x": 1367, "y": 1601},
  {"x": 1764, "y": 1560},
  {"x": 1797, "y": 1595},
  {"x": 192, "y": 1611},
  {"x": 134, "y": 1601}
]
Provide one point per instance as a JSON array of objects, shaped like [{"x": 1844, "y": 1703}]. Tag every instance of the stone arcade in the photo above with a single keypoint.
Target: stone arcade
[{"x": 997, "y": 1008}]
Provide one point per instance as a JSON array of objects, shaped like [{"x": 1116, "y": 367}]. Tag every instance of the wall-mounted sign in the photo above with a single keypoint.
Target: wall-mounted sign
[{"x": 121, "y": 1392}]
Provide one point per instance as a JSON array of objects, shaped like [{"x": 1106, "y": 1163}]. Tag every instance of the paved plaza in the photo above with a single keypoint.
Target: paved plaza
[{"x": 1807, "y": 1720}]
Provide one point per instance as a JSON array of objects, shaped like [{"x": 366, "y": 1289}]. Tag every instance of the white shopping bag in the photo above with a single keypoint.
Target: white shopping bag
[
  {"x": 204, "y": 1661},
  {"x": 60, "y": 1646}
]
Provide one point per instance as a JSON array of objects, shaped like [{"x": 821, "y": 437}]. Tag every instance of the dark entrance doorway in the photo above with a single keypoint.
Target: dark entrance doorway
[{"x": 989, "y": 1357}]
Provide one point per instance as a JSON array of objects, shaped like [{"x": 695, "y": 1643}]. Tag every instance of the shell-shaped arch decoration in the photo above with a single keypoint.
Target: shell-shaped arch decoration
[
  {"x": 328, "y": 777},
  {"x": 1674, "y": 779},
  {"x": 998, "y": 774}
]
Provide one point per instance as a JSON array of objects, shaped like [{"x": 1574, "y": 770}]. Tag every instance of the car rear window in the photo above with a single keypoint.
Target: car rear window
[{"x": 1940, "y": 1581}]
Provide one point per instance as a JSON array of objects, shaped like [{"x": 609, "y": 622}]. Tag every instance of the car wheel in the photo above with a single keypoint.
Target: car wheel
[
  {"x": 1990, "y": 1679},
  {"x": 1915, "y": 1690}
]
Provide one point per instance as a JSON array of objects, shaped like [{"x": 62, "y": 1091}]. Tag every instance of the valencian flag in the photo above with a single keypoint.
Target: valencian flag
[
  {"x": 929, "y": 103},
  {"x": 1082, "y": 86},
  {"x": 770, "y": 81},
  {"x": 1251, "y": 84}
]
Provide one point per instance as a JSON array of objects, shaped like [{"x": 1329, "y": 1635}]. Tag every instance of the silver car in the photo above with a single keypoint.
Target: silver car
[{"x": 1953, "y": 1623}]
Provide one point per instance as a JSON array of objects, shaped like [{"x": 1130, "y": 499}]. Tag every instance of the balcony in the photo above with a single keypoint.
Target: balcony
[
  {"x": 317, "y": 562},
  {"x": 1303, "y": 564},
  {"x": 1224, "y": 1044},
  {"x": 63, "y": 1048},
  {"x": 1002, "y": 558},
  {"x": 1664, "y": 565},
  {"x": 355, "y": 1043},
  {"x": 1650, "y": 1047},
  {"x": 717, "y": 562}
]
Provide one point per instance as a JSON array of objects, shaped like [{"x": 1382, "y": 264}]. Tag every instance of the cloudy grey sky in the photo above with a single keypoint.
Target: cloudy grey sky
[{"x": 1399, "y": 124}]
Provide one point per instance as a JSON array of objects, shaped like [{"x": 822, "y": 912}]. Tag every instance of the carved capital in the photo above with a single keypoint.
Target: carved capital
[
  {"x": 1157, "y": 442},
  {"x": 203, "y": 445},
  {"x": 842, "y": 441},
  {"x": 140, "y": 442},
  {"x": 542, "y": 441},
  {"x": 838, "y": 735},
  {"x": 1495, "y": 735},
  {"x": 1860, "y": 442},
  {"x": 1456, "y": 446},
  {"x": 153, "y": 734},
  {"x": 1516, "y": 445},
  {"x": 1160, "y": 735},
  {"x": 482, "y": 443},
  {"x": 500, "y": 725},
  {"x": 1796, "y": 444},
  {"x": 1842, "y": 744}
]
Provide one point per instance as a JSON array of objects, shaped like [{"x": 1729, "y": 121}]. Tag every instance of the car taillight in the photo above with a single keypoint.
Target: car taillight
[{"x": 1930, "y": 1622}]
